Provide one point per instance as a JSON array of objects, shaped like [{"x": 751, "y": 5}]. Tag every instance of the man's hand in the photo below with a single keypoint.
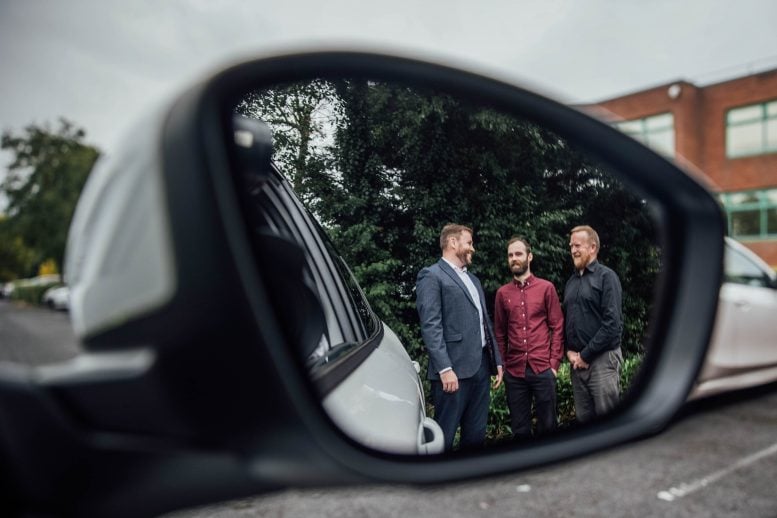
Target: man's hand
[
  {"x": 499, "y": 374},
  {"x": 576, "y": 360},
  {"x": 450, "y": 382},
  {"x": 554, "y": 371}
]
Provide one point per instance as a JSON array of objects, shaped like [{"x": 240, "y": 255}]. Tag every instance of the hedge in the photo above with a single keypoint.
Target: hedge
[
  {"x": 499, "y": 415},
  {"x": 32, "y": 294}
]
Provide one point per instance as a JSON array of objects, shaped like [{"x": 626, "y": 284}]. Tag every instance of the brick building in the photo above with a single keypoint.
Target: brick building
[{"x": 727, "y": 133}]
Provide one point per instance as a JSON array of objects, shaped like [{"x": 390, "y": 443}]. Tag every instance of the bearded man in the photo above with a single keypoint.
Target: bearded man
[
  {"x": 593, "y": 326},
  {"x": 459, "y": 338},
  {"x": 529, "y": 327}
]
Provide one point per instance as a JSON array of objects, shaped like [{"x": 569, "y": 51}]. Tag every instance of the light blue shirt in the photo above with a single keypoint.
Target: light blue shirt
[{"x": 473, "y": 292}]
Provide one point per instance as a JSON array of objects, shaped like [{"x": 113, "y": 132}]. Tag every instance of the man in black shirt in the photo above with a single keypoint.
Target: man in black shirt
[{"x": 593, "y": 325}]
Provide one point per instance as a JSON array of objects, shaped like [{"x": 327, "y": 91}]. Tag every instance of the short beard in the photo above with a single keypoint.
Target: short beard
[{"x": 520, "y": 271}]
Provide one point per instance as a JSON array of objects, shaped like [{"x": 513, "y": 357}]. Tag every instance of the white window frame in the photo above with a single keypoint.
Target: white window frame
[{"x": 761, "y": 117}]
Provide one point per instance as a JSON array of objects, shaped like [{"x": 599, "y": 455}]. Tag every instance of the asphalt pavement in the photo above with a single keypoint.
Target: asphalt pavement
[
  {"x": 720, "y": 460},
  {"x": 33, "y": 335}
]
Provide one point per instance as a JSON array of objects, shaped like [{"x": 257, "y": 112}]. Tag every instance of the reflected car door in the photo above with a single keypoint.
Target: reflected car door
[{"x": 369, "y": 384}]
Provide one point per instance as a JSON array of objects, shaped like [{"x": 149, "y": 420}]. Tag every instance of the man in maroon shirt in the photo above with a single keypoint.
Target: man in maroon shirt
[{"x": 529, "y": 328}]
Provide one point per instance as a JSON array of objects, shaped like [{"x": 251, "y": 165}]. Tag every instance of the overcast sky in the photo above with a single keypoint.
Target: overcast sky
[{"x": 99, "y": 63}]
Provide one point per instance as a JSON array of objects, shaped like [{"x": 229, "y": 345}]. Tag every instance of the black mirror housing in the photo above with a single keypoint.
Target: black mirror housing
[{"x": 228, "y": 397}]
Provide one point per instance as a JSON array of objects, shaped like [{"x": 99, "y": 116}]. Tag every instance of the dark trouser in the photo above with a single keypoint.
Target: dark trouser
[
  {"x": 597, "y": 388},
  {"x": 520, "y": 392},
  {"x": 467, "y": 407}
]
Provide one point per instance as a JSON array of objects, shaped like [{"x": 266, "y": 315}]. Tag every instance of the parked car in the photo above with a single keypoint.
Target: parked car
[
  {"x": 40, "y": 281},
  {"x": 742, "y": 353},
  {"x": 57, "y": 297},
  {"x": 391, "y": 415},
  {"x": 7, "y": 290}
]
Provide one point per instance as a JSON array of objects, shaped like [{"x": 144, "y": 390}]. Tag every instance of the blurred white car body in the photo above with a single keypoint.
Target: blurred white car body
[
  {"x": 57, "y": 297},
  {"x": 7, "y": 290},
  {"x": 742, "y": 352}
]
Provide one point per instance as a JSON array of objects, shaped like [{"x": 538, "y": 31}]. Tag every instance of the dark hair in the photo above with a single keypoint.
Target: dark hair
[{"x": 523, "y": 240}]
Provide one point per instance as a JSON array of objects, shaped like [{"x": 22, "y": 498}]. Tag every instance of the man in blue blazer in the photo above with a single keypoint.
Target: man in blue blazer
[{"x": 459, "y": 338}]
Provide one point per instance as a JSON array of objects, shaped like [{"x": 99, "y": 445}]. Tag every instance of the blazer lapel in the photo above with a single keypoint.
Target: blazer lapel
[{"x": 444, "y": 266}]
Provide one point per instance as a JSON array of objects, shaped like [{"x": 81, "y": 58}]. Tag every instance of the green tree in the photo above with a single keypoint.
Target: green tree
[
  {"x": 42, "y": 186},
  {"x": 300, "y": 116},
  {"x": 16, "y": 259}
]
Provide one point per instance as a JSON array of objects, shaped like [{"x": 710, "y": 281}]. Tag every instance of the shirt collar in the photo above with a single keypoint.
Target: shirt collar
[
  {"x": 455, "y": 268},
  {"x": 526, "y": 282},
  {"x": 591, "y": 267}
]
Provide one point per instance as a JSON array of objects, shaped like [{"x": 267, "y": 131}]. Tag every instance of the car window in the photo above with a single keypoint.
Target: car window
[
  {"x": 352, "y": 328},
  {"x": 365, "y": 317},
  {"x": 277, "y": 216},
  {"x": 739, "y": 269},
  {"x": 354, "y": 316},
  {"x": 330, "y": 367}
]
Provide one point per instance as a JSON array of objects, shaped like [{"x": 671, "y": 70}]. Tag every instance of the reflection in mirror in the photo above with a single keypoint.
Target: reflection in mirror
[{"x": 366, "y": 174}]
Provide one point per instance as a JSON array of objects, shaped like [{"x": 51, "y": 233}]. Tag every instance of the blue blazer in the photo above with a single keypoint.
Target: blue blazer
[{"x": 450, "y": 323}]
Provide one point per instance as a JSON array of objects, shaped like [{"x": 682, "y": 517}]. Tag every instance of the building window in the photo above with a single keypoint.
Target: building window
[
  {"x": 656, "y": 131},
  {"x": 751, "y": 214},
  {"x": 751, "y": 130}
]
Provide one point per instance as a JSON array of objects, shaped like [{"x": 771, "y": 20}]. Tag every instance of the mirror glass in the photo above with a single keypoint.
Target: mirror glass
[{"x": 365, "y": 176}]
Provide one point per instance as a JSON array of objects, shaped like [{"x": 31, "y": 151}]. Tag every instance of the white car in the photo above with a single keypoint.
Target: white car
[
  {"x": 369, "y": 384},
  {"x": 57, "y": 297},
  {"x": 7, "y": 290},
  {"x": 742, "y": 353}
]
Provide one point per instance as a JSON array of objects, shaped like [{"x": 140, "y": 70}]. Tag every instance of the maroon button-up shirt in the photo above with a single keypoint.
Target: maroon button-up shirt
[{"x": 529, "y": 326}]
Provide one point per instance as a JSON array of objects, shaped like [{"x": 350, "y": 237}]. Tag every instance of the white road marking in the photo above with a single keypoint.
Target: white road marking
[{"x": 686, "y": 489}]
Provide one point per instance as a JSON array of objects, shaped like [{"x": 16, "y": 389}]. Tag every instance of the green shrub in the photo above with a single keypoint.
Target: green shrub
[
  {"x": 499, "y": 414},
  {"x": 629, "y": 370},
  {"x": 31, "y": 294},
  {"x": 498, "y": 427},
  {"x": 565, "y": 402}
]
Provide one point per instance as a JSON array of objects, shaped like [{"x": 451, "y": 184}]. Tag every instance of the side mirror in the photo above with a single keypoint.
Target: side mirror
[{"x": 219, "y": 320}]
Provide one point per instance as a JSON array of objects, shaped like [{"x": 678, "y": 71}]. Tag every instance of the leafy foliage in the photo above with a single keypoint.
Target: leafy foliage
[
  {"x": 300, "y": 115},
  {"x": 32, "y": 294},
  {"x": 42, "y": 187},
  {"x": 16, "y": 258},
  {"x": 499, "y": 416}
]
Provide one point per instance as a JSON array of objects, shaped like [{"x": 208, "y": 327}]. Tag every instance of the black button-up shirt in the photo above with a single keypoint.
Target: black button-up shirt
[{"x": 593, "y": 316}]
